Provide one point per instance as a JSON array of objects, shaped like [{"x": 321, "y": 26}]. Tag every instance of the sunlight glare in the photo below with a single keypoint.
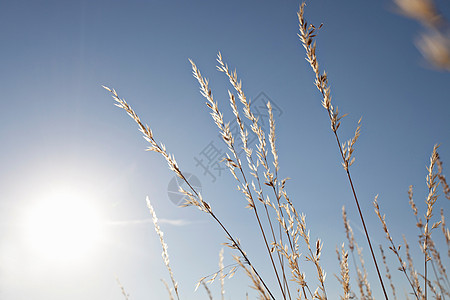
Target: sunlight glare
[{"x": 62, "y": 227}]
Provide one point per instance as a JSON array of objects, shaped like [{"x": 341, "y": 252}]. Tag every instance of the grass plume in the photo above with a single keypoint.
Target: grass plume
[{"x": 283, "y": 230}]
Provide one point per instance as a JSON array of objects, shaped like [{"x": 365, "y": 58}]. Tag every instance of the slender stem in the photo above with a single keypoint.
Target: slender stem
[
  {"x": 277, "y": 196},
  {"x": 367, "y": 235},
  {"x": 437, "y": 277},
  {"x": 362, "y": 221},
  {"x": 148, "y": 135},
  {"x": 235, "y": 244},
  {"x": 307, "y": 33},
  {"x": 243, "y": 254},
  {"x": 270, "y": 254},
  {"x": 278, "y": 254},
  {"x": 425, "y": 288},
  {"x": 359, "y": 211},
  {"x": 284, "y": 285},
  {"x": 258, "y": 219}
]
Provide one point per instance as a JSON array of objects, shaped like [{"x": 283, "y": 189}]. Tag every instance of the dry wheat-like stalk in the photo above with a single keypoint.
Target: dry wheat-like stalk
[
  {"x": 296, "y": 227},
  {"x": 165, "y": 253},
  {"x": 262, "y": 160},
  {"x": 221, "y": 274},
  {"x": 442, "y": 179},
  {"x": 307, "y": 35},
  {"x": 432, "y": 197},
  {"x": 208, "y": 291},
  {"x": 435, "y": 258},
  {"x": 344, "y": 279},
  {"x": 194, "y": 198},
  {"x": 291, "y": 225},
  {"x": 445, "y": 231},
  {"x": 361, "y": 272},
  {"x": 414, "y": 275},
  {"x": 122, "y": 289},
  {"x": 433, "y": 289},
  {"x": 271, "y": 178},
  {"x": 441, "y": 273},
  {"x": 277, "y": 187},
  {"x": 365, "y": 280},
  {"x": 168, "y": 289},
  {"x": 351, "y": 244},
  {"x": 395, "y": 249},
  {"x": 257, "y": 284},
  {"x": 420, "y": 226},
  {"x": 388, "y": 273},
  {"x": 419, "y": 222},
  {"x": 232, "y": 164},
  {"x": 147, "y": 132}
]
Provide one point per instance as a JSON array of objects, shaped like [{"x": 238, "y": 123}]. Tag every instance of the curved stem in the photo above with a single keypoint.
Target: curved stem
[{"x": 361, "y": 217}]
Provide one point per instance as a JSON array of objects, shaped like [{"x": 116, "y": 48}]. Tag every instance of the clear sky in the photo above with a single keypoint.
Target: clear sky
[{"x": 63, "y": 141}]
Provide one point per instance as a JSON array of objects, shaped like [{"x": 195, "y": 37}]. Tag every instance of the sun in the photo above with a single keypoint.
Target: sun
[{"x": 63, "y": 227}]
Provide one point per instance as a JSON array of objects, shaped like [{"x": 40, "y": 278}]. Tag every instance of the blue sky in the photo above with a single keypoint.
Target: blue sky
[{"x": 61, "y": 133}]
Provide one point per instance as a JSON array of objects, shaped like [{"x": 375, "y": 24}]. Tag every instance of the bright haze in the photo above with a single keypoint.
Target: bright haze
[{"x": 74, "y": 175}]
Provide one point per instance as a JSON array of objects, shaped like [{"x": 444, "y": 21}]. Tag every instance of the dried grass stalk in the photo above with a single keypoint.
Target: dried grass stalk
[
  {"x": 388, "y": 273},
  {"x": 194, "y": 198},
  {"x": 168, "y": 289},
  {"x": 122, "y": 289},
  {"x": 445, "y": 232},
  {"x": 221, "y": 275},
  {"x": 232, "y": 164},
  {"x": 208, "y": 291},
  {"x": 165, "y": 253},
  {"x": 430, "y": 201},
  {"x": 395, "y": 249},
  {"x": 352, "y": 245},
  {"x": 344, "y": 279},
  {"x": 307, "y": 35}
]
